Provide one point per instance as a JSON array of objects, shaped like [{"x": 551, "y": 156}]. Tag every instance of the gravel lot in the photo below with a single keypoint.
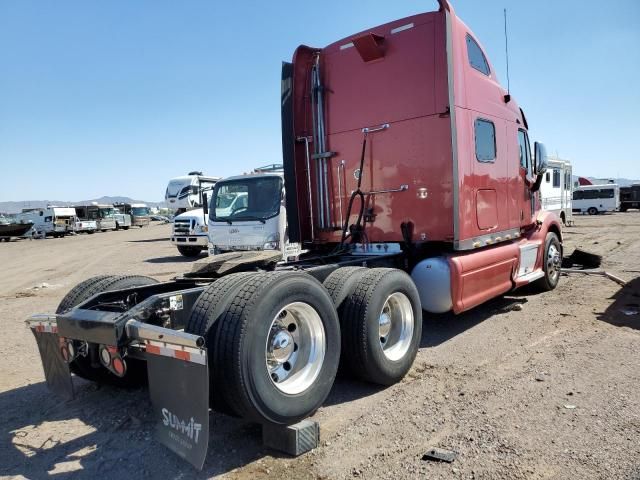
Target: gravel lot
[{"x": 525, "y": 386}]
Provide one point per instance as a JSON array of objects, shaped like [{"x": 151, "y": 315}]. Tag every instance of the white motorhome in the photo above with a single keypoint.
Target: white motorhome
[
  {"x": 247, "y": 212},
  {"x": 101, "y": 214},
  {"x": 556, "y": 189},
  {"x": 50, "y": 221},
  {"x": 594, "y": 199},
  {"x": 186, "y": 193}
]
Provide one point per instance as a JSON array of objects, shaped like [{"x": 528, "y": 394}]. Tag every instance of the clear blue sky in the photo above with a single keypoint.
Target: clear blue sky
[{"x": 115, "y": 97}]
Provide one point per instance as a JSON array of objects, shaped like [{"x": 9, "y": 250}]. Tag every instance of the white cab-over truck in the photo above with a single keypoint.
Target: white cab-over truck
[{"x": 247, "y": 212}]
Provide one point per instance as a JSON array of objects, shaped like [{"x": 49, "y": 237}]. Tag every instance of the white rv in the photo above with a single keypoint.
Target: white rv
[
  {"x": 247, "y": 212},
  {"x": 185, "y": 193},
  {"x": 101, "y": 214},
  {"x": 556, "y": 189},
  {"x": 594, "y": 199},
  {"x": 50, "y": 221}
]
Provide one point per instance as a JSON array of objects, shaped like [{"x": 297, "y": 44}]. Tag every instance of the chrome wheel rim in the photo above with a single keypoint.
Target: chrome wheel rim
[
  {"x": 295, "y": 348},
  {"x": 553, "y": 262},
  {"x": 395, "y": 326}
]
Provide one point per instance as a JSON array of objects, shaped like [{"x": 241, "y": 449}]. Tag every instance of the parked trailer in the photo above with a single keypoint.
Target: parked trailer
[
  {"x": 629, "y": 197},
  {"x": 101, "y": 214},
  {"x": 50, "y": 221},
  {"x": 595, "y": 199},
  {"x": 185, "y": 193},
  {"x": 139, "y": 213},
  {"x": 556, "y": 189},
  {"x": 410, "y": 182}
]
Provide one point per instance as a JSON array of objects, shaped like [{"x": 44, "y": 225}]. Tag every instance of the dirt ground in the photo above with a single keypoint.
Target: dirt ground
[{"x": 525, "y": 386}]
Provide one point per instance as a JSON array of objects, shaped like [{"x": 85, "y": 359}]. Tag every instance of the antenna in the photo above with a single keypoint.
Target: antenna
[{"x": 507, "y": 97}]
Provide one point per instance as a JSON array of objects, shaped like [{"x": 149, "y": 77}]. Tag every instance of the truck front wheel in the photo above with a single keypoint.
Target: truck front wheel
[
  {"x": 189, "y": 251},
  {"x": 552, "y": 262},
  {"x": 381, "y": 326},
  {"x": 277, "y": 347}
]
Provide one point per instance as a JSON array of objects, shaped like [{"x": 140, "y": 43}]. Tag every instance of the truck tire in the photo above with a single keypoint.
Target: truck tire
[
  {"x": 125, "y": 227},
  {"x": 278, "y": 345},
  {"x": 190, "y": 251},
  {"x": 381, "y": 326},
  {"x": 592, "y": 211},
  {"x": 81, "y": 366},
  {"x": 341, "y": 282},
  {"x": 209, "y": 307},
  {"x": 551, "y": 263}
]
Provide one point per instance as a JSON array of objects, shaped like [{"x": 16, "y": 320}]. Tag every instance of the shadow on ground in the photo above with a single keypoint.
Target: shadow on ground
[
  {"x": 174, "y": 259},
  {"x": 118, "y": 441},
  {"x": 108, "y": 431},
  {"x": 149, "y": 240},
  {"x": 439, "y": 328},
  {"x": 625, "y": 309}
]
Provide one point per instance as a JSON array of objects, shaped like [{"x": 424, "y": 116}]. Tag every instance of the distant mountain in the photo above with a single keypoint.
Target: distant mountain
[{"x": 16, "y": 207}]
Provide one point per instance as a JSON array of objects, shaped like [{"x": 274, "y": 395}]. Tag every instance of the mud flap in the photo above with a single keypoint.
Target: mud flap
[
  {"x": 56, "y": 370},
  {"x": 179, "y": 390}
]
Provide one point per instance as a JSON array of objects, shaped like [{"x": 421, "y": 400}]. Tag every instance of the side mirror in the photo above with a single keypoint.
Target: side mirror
[
  {"x": 541, "y": 164},
  {"x": 541, "y": 161},
  {"x": 205, "y": 204}
]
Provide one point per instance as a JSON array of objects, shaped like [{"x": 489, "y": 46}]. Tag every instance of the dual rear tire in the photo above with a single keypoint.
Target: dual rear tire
[
  {"x": 380, "y": 320},
  {"x": 275, "y": 339}
]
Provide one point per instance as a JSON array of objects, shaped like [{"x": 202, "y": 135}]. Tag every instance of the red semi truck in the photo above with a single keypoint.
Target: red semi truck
[{"x": 410, "y": 183}]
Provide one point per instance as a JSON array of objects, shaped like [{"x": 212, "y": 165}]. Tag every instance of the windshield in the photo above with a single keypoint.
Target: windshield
[
  {"x": 251, "y": 198},
  {"x": 105, "y": 212},
  {"x": 175, "y": 187},
  {"x": 140, "y": 211}
]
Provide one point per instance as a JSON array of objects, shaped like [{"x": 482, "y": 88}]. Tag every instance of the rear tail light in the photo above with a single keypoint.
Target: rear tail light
[
  {"x": 111, "y": 359},
  {"x": 67, "y": 350}
]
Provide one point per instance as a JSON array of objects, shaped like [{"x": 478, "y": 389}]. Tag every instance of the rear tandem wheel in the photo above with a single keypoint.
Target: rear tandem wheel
[
  {"x": 81, "y": 366},
  {"x": 273, "y": 342}
]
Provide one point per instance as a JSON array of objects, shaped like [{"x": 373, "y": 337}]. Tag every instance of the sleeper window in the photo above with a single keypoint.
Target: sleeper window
[
  {"x": 476, "y": 58},
  {"x": 485, "y": 133}
]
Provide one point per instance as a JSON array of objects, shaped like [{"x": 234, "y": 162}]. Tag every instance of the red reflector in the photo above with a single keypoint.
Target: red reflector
[
  {"x": 118, "y": 366},
  {"x": 153, "y": 349},
  {"x": 182, "y": 355}
]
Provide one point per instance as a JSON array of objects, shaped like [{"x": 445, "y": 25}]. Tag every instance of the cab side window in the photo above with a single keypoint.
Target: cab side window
[
  {"x": 525, "y": 153},
  {"x": 485, "y": 135},
  {"x": 476, "y": 58}
]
